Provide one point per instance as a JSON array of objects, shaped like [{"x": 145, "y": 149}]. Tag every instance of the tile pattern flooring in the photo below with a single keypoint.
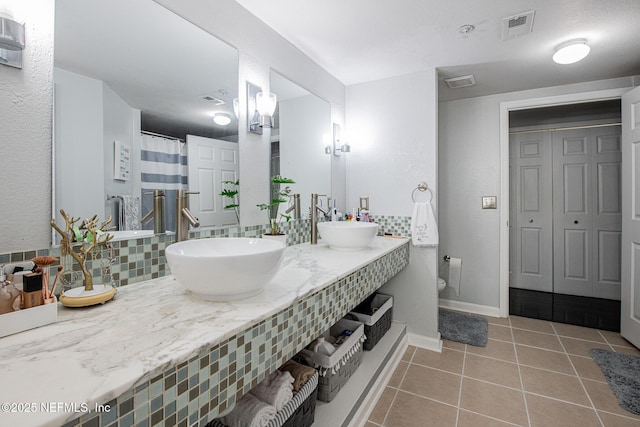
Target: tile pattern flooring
[{"x": 531, "y": 373}]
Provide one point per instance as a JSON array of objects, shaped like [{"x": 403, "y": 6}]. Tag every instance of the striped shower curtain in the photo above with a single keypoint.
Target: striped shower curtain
[{"x": 163, "y": 166}]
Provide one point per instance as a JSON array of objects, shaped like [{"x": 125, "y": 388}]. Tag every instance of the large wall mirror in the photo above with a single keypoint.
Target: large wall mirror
[
  {"x": 131, "y": 77},
  {"x": 301, "y": 130}
]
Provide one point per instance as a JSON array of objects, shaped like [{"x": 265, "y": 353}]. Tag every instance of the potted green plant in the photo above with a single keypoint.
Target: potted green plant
[
  {"x": 278, "y": 195},
  {"x": 232, "y": 194}
]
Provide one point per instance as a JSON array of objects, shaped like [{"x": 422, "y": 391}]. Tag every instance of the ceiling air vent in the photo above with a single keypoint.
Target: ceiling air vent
[
  {"x": 216, "y": 101},
  {"x": 462, "y": 81},
  {"x": 517, "y": 25}
]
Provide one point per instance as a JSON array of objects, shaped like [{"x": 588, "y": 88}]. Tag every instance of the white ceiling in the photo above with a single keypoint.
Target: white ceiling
[{"x": 364, "y": 40}]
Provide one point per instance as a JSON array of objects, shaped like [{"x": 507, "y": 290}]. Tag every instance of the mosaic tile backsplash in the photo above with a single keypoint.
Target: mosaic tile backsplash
[{"x": 137, "y": 260}]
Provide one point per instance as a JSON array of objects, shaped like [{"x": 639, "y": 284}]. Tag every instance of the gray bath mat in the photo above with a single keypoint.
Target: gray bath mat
[
  {"x": 622, "y": 372},
  {"x": 462, "y": 327}
]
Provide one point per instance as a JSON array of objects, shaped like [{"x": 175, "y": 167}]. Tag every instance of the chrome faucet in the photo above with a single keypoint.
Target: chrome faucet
[
  {"x": 314, "y": 217},
  {"x": 295, "y": 207},
  {"x": 184, "y": 217},
  {"x": 156, "y": 213}
]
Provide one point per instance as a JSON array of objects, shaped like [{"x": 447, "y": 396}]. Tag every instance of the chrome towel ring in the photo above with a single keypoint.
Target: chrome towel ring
[{"x": 422, "y": 186}]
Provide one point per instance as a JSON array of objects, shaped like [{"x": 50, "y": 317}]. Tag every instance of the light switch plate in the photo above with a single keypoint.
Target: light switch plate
[{"x": 489, "y": 202}]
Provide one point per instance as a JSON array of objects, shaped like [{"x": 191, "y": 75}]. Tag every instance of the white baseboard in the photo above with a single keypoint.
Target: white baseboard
[
  {"x": 468, "y": 307},
  {"x": 428, "y": 343},
  {"x": 366, "y": 407}
]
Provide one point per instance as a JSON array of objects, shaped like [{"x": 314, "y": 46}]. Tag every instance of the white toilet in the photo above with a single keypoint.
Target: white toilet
[{"x": 441, "y": 284}]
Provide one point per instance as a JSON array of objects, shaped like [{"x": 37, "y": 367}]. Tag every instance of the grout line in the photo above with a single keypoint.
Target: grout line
[
  {"x": 397, "y": 390},
  {"x": 559, "y": 400},
  {"x": 524, "y": 397},
  {"x": 551, "y": 371},
  {"x": 471, "y": 353},
  {"x": 629, "y": 417},
  {"x": 493, "y": 418},
  {"x": 464, "y": 361},
  {"x": 495, "y": 384},
  {"x": 586, "y": 392},
  {"x": 532, "y": 330},
  {"x": 605, "y": 342},
  {"x": 431, "y": 399}
]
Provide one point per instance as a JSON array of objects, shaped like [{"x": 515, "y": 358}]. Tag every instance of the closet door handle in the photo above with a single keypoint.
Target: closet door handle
[{"x": 530, "y": 221}]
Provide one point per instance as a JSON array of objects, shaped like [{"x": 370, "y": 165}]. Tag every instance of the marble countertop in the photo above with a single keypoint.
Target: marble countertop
[{"x": 92, "y": 355}]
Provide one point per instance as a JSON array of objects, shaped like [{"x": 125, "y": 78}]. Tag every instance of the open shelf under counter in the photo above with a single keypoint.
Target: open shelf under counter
[{"x": 354, "y": 401}]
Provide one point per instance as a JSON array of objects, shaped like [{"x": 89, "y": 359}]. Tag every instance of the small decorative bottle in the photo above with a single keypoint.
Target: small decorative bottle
[{"x": 8, "y": 294}]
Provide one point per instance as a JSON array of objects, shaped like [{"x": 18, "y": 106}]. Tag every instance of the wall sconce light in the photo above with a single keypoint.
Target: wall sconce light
[
  {"x": 339, "y": 146},
  {"x": 571, "y": 51},
  {"x": 221, "y": 118},
  {"x": 260, "y": 108},
  {"x": 266, "y": 106},
  {"x": 236, "y": 107},
  {"x": 327, "y": 141},
  {"x": 11, "y": 42}
]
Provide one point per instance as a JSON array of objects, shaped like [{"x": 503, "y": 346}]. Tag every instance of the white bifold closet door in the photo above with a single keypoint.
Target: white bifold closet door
[{"x": 567, "y": 211}]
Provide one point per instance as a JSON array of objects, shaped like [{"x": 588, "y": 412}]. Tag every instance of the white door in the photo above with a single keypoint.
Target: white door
[
  {"x": 630, "y": 322},
  {"x": 532, "y": 260},
  {"x": 211, "y": 162},
  {"x": 586, "y": 212},
  {"x": 607, "y": 215}
]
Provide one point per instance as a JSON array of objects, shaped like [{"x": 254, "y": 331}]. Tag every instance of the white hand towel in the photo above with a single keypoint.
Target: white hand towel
[
  {"x": 130, "y": 213},
  {"x": 424, "y": 230},
  {"x": 276, "y": 389},
  {"x": 249, "y": 412}
]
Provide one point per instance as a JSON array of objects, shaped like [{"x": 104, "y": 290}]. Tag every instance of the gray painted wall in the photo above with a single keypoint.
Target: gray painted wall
[{"x": 469, "y": 168}]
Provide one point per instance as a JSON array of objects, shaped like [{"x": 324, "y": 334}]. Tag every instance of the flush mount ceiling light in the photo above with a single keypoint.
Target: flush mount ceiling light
[
  {"x": 571, "y": 51},
  {"x": 221, "y": 119}
]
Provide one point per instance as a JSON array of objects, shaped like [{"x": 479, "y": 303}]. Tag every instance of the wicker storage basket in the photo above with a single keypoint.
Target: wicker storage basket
[
  {"x": 298, "y": 412},
  {"x": 376, "y": 313},
  {"x": 337, "y": 368},
  {"x": 330, "y": 384}
]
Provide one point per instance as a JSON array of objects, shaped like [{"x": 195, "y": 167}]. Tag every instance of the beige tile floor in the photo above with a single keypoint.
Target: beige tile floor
[{"x": 531, "y": 373}]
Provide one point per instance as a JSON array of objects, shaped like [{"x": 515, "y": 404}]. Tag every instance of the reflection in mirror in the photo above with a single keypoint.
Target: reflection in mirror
[
  {"x": 302, "y": 123},
  {"x": 124, "y": 69}
]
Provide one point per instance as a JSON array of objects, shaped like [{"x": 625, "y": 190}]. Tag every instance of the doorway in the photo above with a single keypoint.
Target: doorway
[{"x": 565, "y": 213}]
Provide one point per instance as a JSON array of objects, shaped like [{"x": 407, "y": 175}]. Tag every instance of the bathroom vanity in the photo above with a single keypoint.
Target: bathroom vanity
[{"x": 156, "y": 353}]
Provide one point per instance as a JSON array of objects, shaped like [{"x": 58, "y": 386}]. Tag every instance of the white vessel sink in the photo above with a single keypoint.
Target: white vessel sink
[
  {"x": 130, "y": 234},
  {"x": 347, "y": 235},
  {"x": 223, "y": 269}
]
